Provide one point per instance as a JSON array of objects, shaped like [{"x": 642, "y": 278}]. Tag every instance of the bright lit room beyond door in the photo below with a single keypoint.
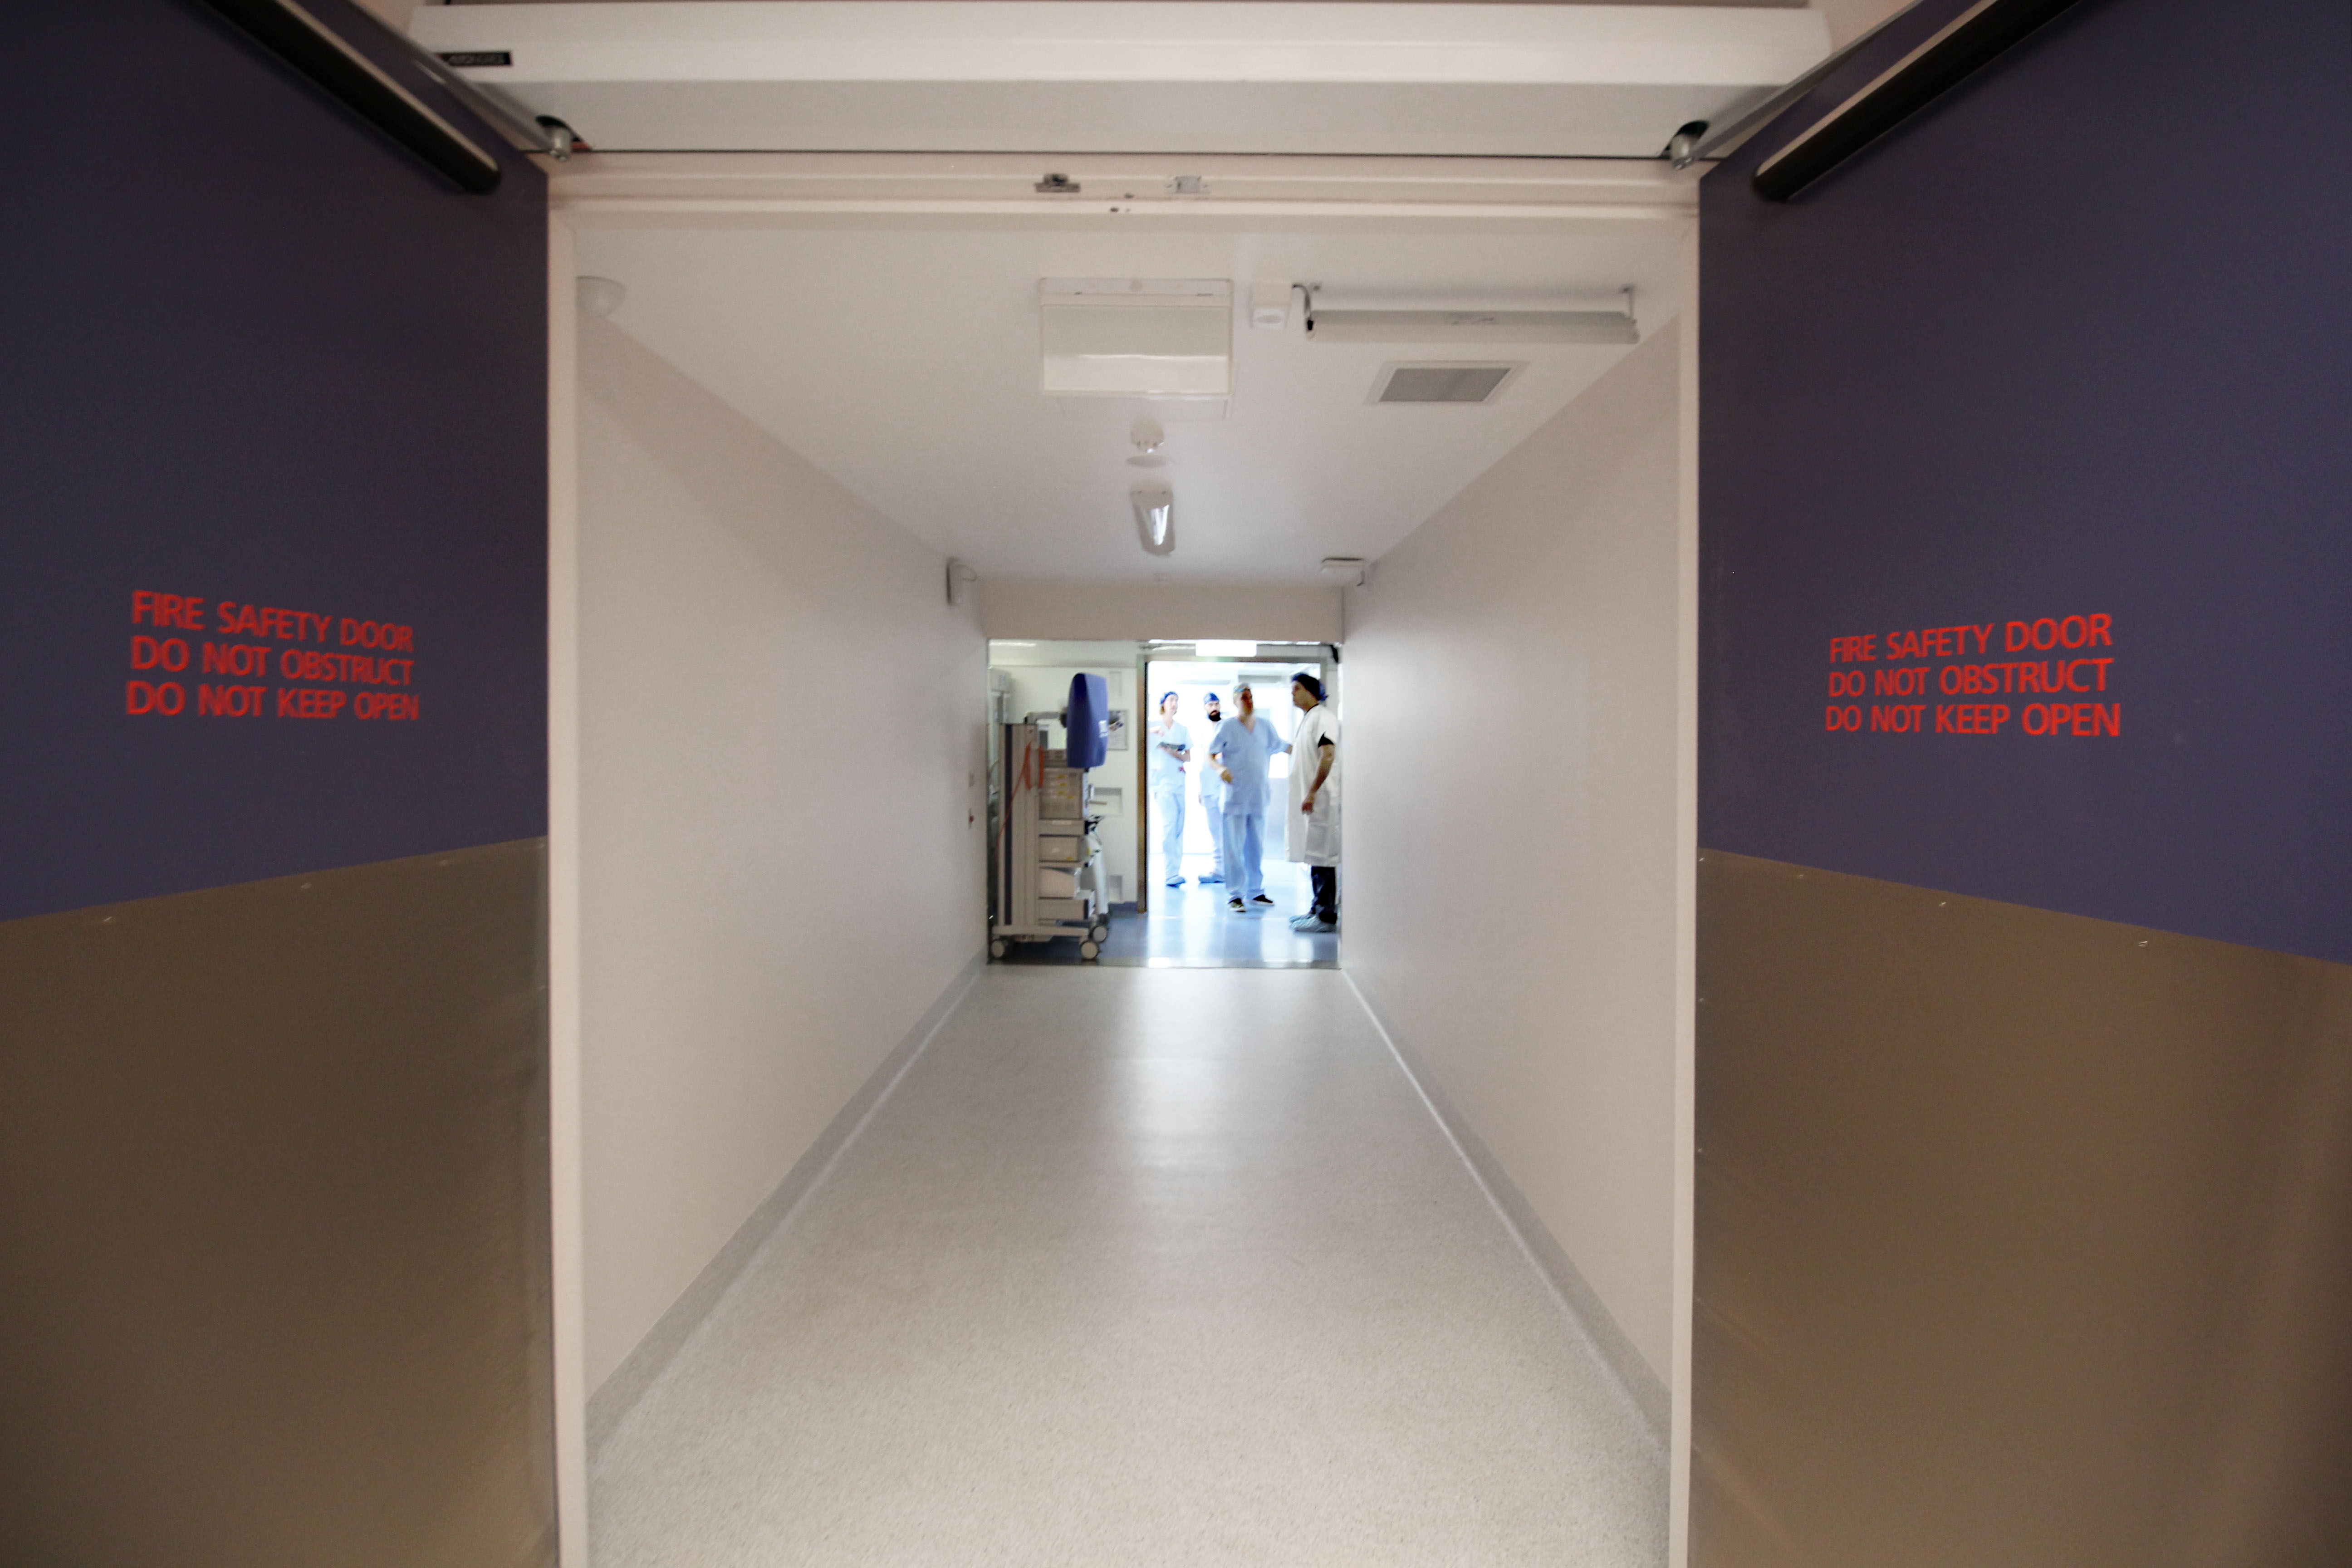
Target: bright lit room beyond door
[{"x": 1187, "y": 845}]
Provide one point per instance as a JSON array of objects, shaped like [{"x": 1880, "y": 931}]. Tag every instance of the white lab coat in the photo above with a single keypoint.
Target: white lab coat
[{"x": 1317, "y": 725}]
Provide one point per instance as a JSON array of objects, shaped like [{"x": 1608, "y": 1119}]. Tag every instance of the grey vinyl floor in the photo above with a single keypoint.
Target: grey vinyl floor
[
  {"x": 1191, "y": 927},
  {"x": 1139, "y": 1267}
]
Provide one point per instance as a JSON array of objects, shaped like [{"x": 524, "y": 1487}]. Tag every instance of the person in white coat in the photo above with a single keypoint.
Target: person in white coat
[
  {"x": 1171, "y": 748},
  {"x": 1313, "y": 834}
]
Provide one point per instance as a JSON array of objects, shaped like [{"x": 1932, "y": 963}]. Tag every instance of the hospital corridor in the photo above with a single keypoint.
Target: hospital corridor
[{"x": 1175, "y": 783}]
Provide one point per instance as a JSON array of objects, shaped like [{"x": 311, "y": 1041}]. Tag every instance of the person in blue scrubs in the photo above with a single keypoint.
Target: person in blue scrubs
[
  {"x": 1245, "y": 745},
  {"x": 1171, "y": 748},
  {"x": 1212, "y": 805}
]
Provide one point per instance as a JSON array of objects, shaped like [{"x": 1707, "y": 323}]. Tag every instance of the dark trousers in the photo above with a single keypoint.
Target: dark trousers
[{"x": 1326, "y": 882}]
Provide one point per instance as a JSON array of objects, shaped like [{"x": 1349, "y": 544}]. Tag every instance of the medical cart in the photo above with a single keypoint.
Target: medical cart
[{"x": 1046, "y": 862}]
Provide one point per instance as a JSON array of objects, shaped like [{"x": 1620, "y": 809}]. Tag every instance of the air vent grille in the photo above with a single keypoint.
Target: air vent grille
[{"x": 1441, "y": 382}]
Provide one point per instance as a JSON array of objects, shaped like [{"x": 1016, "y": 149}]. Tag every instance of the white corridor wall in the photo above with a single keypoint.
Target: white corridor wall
[
  {"x": 782, "y": 818},
  {"x": 1510, "y": 876}
]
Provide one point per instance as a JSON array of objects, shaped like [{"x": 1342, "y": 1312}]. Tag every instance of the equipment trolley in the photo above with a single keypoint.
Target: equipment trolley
[{"x": 1046, "y": 866}]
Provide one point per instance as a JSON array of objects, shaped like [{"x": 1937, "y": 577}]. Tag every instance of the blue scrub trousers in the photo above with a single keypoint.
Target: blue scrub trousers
[
  {"x": 1170, "y": 805},
  {"x": 1244, "y": 852}
]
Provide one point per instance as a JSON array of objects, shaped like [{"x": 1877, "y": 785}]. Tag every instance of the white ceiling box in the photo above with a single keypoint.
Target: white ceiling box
[
  {"x": 1129, "y": 76},
  {"x": 1135, "y": 337}
]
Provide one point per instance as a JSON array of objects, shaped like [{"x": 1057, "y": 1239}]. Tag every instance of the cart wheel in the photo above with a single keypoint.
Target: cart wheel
[
  {"x": 996, "y": 947},
  {"x": 1089, "y": 949},
  {"x": 1101, "y": 932}
]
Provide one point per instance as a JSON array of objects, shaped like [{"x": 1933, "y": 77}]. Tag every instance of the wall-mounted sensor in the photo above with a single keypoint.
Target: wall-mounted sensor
[
  {"x": 1155, "y": 517},
  {"x": 1353, "y": 570},
  {"x": 960, "y": 578},
  {"x": 602, "y": 296}
]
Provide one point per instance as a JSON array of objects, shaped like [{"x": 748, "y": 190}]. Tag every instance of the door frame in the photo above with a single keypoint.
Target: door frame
[{"x": 1234, "y": 193}]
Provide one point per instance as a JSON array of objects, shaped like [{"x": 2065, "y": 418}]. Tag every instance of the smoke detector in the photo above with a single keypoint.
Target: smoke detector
[{"x": 1444, "y": 380}]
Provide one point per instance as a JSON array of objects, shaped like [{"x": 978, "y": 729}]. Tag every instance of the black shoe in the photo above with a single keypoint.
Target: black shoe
[
  {"x": 1234, "y": 905},
  {"x": 1262, "y": 898}
]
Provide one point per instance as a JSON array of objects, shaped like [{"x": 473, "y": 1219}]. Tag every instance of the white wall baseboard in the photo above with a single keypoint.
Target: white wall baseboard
[
  {"x": 619, "y": 1393},
  {"x": 1643, "y": 1388}
]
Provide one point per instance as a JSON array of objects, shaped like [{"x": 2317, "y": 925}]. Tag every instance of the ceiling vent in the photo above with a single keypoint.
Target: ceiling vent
[{"x": 1451, "y": 381}]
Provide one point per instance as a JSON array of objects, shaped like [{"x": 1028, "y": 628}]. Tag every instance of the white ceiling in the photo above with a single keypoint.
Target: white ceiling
[{"x": 905, "y": 362}]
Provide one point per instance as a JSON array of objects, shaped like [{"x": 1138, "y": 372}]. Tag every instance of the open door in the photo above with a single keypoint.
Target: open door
[
  {"x": 274, "y": 1248},
  {"x": 2024, "y": 1096}
]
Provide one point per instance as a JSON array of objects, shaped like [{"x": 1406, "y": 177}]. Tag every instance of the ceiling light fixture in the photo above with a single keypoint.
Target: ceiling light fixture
[
  {"x": 1331, "y": 320},
  {"x": 1155, "y": 517}
]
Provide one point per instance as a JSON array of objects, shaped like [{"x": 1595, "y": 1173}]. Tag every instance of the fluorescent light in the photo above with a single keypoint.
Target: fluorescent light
[
  {"x": 1214, "y": 649},
  {"x": 1421, "y": 321},
  {"x": 1155, "y": 517},
  {"x": 1471, "y": 327}
]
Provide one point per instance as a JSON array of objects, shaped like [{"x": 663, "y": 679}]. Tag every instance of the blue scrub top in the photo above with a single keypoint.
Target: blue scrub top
[
  {"x": 1245, "y": 754},
  {"x": 1167, "y": 773}
]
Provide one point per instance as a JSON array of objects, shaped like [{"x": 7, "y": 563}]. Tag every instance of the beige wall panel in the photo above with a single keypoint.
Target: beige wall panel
[
  {"x": 1509, "y": 698},
  {"x": 2022, "y": 1237},
  {"x": 782, "y": 818},
  {"x": 273, "y": 1223}
]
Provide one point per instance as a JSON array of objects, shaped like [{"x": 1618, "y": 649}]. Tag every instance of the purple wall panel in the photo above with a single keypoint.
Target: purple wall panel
[
  {"x": 254, "y": 351},
  {"x": 2076, "y": 339}
]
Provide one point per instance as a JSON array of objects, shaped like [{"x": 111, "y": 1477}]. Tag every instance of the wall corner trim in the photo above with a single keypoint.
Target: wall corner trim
[
  {"x": 629, "y": 1382},
  {"x": 1591, "y": 1316}
]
